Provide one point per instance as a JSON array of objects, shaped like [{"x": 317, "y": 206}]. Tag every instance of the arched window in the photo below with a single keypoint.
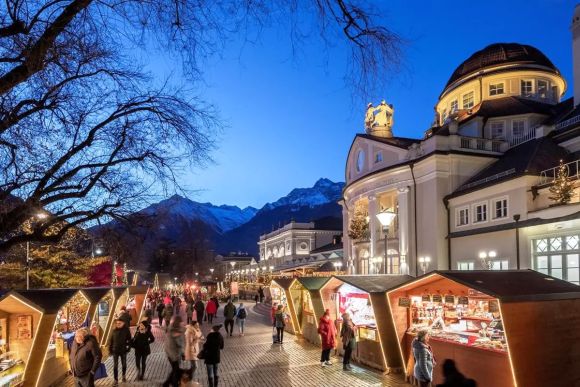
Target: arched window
[{"x": 360, "y": 161}]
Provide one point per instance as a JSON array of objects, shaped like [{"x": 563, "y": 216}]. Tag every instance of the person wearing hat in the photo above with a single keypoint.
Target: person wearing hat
[
  {"x": 327, "y": 332},
  {"x": 125, "y": 316},
  {"x": 214, "y": 343},
  {"x": 119, "y": 345}
]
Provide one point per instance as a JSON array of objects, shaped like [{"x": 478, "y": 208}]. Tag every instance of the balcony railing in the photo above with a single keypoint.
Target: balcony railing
[
  {"x": 549, "y": 175},
  {"x": 528, "y": 135},
  {"x": 478, "y": 143}
]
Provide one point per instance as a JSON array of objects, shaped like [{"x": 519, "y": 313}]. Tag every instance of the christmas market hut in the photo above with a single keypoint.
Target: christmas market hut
[
  {"x": 34, "y": 330},
  {"x": 502, "y": 328},
  {"x": 120, "y": 298},
  {"x": 100, "y": 309},
  {"x": 308, "y": 305},
  {"x": 280, "y": 293},
  {"x": 364, "y": 298},
  {"x": 136, "y": 302}
]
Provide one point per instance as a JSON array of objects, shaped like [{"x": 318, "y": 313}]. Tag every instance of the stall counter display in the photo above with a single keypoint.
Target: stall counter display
[
  {"x": 278, "y": 296},
  {"x": 358, "y": 305},
  {"x": 72, "y": 316},
  {"x": 11, "y": 369}
]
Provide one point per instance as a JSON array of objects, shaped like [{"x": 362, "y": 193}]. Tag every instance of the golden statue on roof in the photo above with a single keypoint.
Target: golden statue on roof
[{"x": 379, "y": 120}]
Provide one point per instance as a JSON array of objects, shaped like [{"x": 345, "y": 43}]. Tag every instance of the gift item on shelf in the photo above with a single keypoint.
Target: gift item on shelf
[{"x": 11, "y": 369}]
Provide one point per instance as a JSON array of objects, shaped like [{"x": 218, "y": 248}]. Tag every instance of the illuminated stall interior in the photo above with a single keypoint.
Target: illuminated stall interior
[
  {"x": 101, "y": 300},
  {"x": 493, "y": 318},
  {"x": 120, "y": 298},
  {"x": 280, "y": 292},
  {"x": 136, "y": 302},
  {"x": 308, "y": 306},
  {"x": 19, "y": 323},
  {"x": 363, "y": 298}
]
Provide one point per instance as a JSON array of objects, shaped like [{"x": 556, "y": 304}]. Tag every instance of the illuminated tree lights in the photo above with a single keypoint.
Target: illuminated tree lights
[{"x": 563, "y": 187}]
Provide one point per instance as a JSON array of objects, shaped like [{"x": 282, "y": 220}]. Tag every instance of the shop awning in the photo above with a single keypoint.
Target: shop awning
[
  {"x": 514, "y": 285},
  {"x": 313, "y": 283},
  {"x": 95, "y": 294},
  {"x": 284, "y": 283},
  {"x": 48, "y": 300},
  {"x": 375, "y": 283}
]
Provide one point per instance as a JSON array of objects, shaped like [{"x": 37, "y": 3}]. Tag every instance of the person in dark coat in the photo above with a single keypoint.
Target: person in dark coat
[
  {"x": 453, "y": 378},
  {"x": 85, "y": 358},
  {"x": 199, "y": 309},
  {"x": 141, "y": 341},
  {"x": 119, "y": 345},
  {"x": 424, "y": 359},
  {"x": 261, "y": 294},
  {"x": 174, "y": 350},
  {"x": 348, "y": 337},
  {"x": 160, "y": 308},
  {"x": 125, "y": 316},
  {"x": 214, "y": 343}
]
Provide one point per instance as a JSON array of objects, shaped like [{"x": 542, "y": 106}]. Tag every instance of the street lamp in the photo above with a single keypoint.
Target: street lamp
[
  {"x": 485, "y": 257},
  {"x": 386, "y": 217},
  {"x": 424, "y": 263},
  {"x": 337, "y": 266}
]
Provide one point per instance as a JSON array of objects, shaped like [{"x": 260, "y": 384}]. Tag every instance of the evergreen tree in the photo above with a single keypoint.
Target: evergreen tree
[
  {"x": 358, "y": 227},
  {"x": 563, "y": 188}
]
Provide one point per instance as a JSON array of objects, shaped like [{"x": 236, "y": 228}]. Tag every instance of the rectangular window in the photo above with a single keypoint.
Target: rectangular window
[
  {"x": 496, "y": 89},
  {"x": 499, "y": 265},
  {"x": 378, "y": 157},
  {"x": 518, "y": 128},
  {"x": 543, "y": 89},
  {"x": 500, "y": 208},
  {"x": 468, "y": 100},
  {"x": 527, "y": 87},
  {"x": 480, "y": 212},
  {"x": 558, "y": 256},
  {"x": 497, "y": 130},
  {"x": 462, "y": 216},
  {"x": 465, "y": 266},
  {"x": 454, "y": 106}
]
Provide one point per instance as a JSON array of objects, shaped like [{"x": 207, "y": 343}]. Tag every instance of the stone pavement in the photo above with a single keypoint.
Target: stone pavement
[{"x": 252, "y": 360}]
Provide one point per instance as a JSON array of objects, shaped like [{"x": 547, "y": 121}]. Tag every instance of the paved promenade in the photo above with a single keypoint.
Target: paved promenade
[{"x": 253, "y": 361}]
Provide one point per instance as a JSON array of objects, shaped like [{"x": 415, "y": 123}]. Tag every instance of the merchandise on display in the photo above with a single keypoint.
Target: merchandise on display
[
  {"x": 356, "y": 303},
  {"x": 11, "y": 369},
  {"x": 471, "y": 321}
]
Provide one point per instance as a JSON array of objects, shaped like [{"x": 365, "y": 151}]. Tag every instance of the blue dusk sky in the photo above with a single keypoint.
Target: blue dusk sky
[{"x": 291, "y": 118}]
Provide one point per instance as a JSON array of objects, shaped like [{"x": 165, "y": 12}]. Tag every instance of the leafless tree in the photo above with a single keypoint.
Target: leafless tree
[{"x": 85, "y": 134}]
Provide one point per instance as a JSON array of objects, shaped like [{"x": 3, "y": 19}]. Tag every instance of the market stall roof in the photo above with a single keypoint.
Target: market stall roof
[
  {"x": 48, "y": 300},
  {"x": 375, "y": 283},
  {"x": 138, "y": 289},
  {"x": 284, "y": 283},
  {"x": 118, "y": 291},
  {"x": 515, "y": 285},
  {"x": 313, "y": 283},
  {"x": 95, "y": 294}
]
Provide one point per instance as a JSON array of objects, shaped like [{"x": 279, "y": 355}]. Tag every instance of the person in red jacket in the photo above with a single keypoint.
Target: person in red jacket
[
  {"x": 327, "y": 332},
  {"x": 211, "y": 310}
]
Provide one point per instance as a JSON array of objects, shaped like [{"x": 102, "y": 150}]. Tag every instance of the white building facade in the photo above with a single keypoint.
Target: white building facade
[{"x": 474, "y": 193}]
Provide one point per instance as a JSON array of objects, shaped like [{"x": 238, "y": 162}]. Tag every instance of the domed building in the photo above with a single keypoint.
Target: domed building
[{"x": 477, "y": 191}]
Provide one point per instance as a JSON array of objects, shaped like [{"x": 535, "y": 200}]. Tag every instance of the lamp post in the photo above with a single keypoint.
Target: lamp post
[
  {"x": 337, "y": 266},
  {"x": 424, "y": 263},
  {"x": 485, "y": 257},
  {"x": 386, "y": 217}
]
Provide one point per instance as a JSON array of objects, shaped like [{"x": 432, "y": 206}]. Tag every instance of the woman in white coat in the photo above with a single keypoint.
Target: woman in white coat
[{"x": 193, "y": 337}]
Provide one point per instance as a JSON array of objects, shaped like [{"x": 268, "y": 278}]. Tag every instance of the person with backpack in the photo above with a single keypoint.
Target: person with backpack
[
  {"x": 141, "y": 342},
  {"x": 241, "y": 318},
  {"x": 85, "y": 358},
  {"x": 229, "y": 314},
  {"x": 160, "y": 308},
  {"x": 119, "y": 346},
  {"x": 214, "y": 343}
]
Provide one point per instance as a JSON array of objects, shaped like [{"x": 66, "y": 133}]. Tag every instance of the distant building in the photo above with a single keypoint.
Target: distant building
[
  {"x": 473, "y": 193},
  {"x": 226, "y": 264},
  {"x": 293, "y": 243}
]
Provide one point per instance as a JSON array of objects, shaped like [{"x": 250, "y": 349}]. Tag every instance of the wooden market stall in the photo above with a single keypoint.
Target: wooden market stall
[
  {"x": 502, "y": 328},
  {"x": 100, "y": 309},
  {"x": 364, "y": 298},
  {"x": 120, "y": 298},
  {"x": 308, "y": 305},
  {"x": 280, "y": 292},
  {"x": 136, "y": 302}
]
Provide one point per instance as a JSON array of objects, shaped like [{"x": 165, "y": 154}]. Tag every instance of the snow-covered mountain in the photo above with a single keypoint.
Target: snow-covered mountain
[
  {"x": 324, "y": 191},
  {"x": 221, "y": 218}
]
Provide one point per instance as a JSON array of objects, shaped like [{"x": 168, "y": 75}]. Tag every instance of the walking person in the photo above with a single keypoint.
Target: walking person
[
  {"x": 193, "y": 337},
  {"x": 160, "y": 308},
  {"x": 229, "y": 314},
  {"x": 211, "y": 310},
  {"x": 167, "y": 314},
  {"x": 261, "y": 294},
  {"x": 273, "y": 313},
  {"x": 280, "y": 323},
  {"x": 199, "y": 309},
  {"x": 348, "y": 337},
  {"x": 214, "y": 343},
  {"x": 327, "y": 332},
  {"x": 141, "y": 342},
  {"x": 125, "y": 316},
  {"x": 424, "y": 360},
  {"x": 119, "y": 345},
  {"x": 241, "y": 318},
  {"x": 85, "y": 358},
  {"x": 189, "y": 312},
  {"x": 174, "y": 350}
]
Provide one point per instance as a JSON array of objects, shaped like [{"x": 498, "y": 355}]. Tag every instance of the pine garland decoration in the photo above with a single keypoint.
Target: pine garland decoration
[{"x": 563, "y": 188}]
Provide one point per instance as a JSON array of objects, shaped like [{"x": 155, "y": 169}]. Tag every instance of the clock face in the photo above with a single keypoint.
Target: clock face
[{"x": 360, "y": 160}]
